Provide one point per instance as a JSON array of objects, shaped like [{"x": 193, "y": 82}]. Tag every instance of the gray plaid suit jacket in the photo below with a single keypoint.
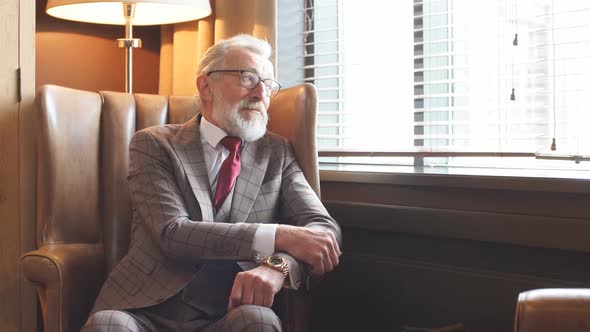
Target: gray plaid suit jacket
[{"x": 173, "y": 230}]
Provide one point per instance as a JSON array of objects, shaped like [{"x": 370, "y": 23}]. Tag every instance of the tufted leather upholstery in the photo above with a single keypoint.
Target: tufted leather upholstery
[
  {"x": 83, "y": 206},
  {"x": 553, "y": 309}
]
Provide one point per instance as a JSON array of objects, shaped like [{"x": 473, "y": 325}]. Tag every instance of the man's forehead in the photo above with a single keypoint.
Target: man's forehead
[{"x": 239, "y": 58}]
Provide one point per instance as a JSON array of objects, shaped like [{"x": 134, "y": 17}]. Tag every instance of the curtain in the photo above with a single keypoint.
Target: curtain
[{"x": 183, "y": 44}]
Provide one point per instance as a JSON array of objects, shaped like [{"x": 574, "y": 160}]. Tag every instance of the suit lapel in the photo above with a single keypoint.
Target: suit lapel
[
  {"x": 187, "y": 144},
  {"x": 254, "y": 159}
]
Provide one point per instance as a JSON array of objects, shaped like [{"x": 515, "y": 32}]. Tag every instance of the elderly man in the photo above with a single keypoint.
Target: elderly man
[{"x": 223, "y": 216}]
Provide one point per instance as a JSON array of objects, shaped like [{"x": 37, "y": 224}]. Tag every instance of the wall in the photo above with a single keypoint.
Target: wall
[
  {"x": 433, "y": 250},
  {"x": 85, "y": 56},
  {"x": 17, "y": 206}
]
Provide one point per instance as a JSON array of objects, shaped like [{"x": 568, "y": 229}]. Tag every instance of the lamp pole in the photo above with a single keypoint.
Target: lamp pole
[{"x": 129, "y": 43}]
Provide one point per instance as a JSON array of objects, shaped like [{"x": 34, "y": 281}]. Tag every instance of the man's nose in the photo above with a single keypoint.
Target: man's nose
[{"x": 259, "y": 91}]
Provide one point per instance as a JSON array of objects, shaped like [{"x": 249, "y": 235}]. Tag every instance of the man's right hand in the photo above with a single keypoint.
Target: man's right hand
[{"x": 316, "y": 247}]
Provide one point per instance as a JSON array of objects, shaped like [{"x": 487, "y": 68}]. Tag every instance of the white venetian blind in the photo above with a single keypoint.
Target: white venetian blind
[
  {"x": 438, "y": 75},
  {"x": 309, "y": 45},
  {"x": 323, "y": 67},
  {"x": 290, "y": 49},
  {"x": 343, "y": 50}
]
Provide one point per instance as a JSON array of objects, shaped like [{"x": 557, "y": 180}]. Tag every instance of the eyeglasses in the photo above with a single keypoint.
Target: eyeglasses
[{"x": 250, "y": 80}]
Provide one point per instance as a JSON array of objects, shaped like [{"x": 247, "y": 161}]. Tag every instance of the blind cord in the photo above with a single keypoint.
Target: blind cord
[
  {"x": 553, "y": 142},
  {"x": 514, "y": 43}
]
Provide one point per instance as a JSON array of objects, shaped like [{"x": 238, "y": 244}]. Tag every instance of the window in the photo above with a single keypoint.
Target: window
[{"x": 452, "y": 77}]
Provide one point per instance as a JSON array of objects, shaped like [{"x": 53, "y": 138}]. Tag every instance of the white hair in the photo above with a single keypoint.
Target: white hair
[{"x": 214, "y": 57}]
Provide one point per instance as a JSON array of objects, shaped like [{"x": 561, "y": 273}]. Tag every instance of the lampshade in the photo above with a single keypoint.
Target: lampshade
[{"x": 147, "y": 12}]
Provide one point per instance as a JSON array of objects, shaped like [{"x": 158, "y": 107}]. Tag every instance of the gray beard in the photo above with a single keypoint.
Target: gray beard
[{"x": 231, "y": 120}]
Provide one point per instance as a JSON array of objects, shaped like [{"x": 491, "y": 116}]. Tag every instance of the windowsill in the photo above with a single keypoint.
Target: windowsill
[{"x": 546, "y": 180}]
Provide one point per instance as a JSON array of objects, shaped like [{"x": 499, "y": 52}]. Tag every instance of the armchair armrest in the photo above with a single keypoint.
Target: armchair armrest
[
  {"x": 556, "y": 309},
  {"x": 294, "y": 309},
  {"x": 297, "y": 310},
  {"x": 69, "y": 277}
]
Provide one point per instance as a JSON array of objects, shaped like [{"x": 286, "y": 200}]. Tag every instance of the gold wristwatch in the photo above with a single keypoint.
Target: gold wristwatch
[{"x": 278, "y": 263}]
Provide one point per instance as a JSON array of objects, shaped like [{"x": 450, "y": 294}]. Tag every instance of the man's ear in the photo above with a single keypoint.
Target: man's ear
[{"x": 204, "y": 88}]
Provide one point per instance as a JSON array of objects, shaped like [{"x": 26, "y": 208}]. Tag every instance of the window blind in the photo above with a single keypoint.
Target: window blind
[
  {"x": 309, "y": 50},
  {"x": 456, "y": 76}
]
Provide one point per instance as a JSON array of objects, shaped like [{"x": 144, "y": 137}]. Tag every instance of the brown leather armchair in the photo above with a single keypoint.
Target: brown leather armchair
[
  {"x": 83, "y": 206},
  {"x": 553, "y": 309}
]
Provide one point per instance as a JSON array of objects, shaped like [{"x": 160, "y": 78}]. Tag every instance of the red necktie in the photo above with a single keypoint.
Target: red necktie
[{"x": 230, "y": 169}]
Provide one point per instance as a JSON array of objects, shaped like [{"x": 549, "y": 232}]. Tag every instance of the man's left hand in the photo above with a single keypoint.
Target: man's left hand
[{"x": 257, "y": 286}]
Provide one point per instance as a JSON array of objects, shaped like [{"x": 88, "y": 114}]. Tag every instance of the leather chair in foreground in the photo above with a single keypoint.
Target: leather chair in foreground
[
  {"x": 552, "y": 310},
  {"x": 83, "y": 206}
]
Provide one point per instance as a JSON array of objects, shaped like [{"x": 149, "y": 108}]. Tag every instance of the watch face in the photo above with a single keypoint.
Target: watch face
[{"x": 275, "y": 260}]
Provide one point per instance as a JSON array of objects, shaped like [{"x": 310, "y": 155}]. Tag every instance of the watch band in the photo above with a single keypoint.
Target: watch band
[{"x": 278, "y": 263}]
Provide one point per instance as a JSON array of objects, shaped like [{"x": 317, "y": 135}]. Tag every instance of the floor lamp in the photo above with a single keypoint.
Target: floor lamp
[{"x": 129, "y": 13}]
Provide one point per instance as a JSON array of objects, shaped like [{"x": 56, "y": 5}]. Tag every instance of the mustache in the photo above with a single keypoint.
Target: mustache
[{"x": 252, "y": 105}]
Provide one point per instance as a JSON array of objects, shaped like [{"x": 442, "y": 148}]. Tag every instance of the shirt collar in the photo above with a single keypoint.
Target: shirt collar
[{"x": 211, "y": 133}]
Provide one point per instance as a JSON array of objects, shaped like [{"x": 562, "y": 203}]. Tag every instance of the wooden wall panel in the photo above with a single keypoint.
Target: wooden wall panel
[
  {"x": 528, "y": 202},
  {"x": 439, "y": 250},
  {"x": 375, "y": 293},
  {"x": 17, "y": 39},
  {"x": 27, "y": 177},
  {"x": 9, "y": 186},
  {"x": 521, "y": 229}
]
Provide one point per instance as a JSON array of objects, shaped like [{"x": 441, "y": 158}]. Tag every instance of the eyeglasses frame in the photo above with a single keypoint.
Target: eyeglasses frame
[{"x": 260, "y": 79}]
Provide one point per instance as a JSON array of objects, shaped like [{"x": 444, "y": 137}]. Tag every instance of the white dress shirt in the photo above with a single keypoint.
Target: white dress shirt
[{"x": 264, "y": 238}]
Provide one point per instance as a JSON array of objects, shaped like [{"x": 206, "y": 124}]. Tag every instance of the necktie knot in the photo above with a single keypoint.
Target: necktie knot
[{"x": 231, "y": 143}]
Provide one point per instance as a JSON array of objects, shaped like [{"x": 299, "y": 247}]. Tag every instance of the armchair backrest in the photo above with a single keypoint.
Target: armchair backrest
[{"x": 82, "y": 148}]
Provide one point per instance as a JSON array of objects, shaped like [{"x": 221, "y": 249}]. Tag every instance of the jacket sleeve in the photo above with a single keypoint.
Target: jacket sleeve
[{"x": 300, "y": 206}]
